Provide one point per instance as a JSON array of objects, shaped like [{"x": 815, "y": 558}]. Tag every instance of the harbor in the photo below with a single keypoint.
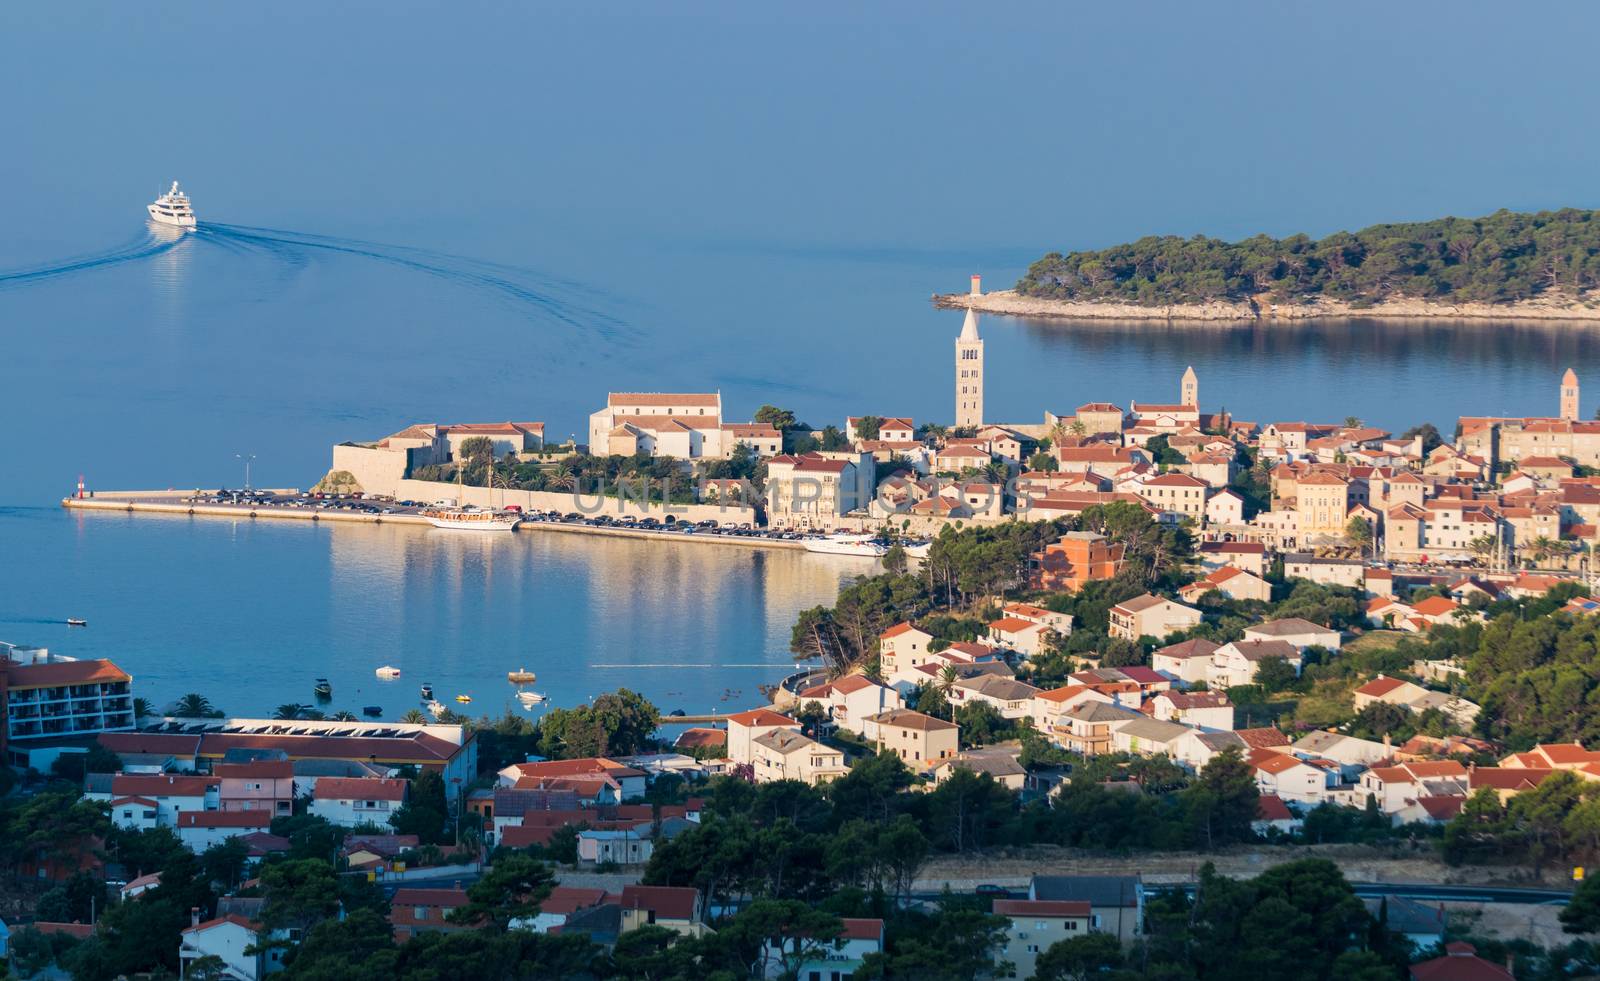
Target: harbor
[{"x": 287, "y": 504}]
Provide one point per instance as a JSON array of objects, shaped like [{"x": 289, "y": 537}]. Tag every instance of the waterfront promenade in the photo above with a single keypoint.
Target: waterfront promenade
[{"x": 185, "y": 503}]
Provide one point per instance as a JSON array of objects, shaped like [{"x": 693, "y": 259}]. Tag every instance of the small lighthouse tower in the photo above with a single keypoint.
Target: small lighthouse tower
[{"x": 977, "y": 285}]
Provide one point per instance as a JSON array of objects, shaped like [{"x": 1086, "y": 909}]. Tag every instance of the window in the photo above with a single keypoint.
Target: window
[
  {"x": 419, "y": 913},
  {"x": 1033, "y": 948}
]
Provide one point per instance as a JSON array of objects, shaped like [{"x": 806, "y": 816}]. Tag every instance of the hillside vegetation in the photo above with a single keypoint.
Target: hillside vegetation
[{"x": 1502, "y": 258}]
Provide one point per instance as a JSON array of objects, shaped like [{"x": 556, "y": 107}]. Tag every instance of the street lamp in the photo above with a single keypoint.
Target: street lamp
[{"x": 246, "y": 457}]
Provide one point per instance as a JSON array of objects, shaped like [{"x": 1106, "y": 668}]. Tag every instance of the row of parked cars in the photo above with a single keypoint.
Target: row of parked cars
[{"x": 668, "y": 524}]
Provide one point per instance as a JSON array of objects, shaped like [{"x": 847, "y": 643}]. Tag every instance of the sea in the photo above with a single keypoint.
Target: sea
[{"x": 503, "y": 211}]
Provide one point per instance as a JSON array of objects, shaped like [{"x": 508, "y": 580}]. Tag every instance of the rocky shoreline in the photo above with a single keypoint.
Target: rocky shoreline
[{"x": 1010, "y": 303}]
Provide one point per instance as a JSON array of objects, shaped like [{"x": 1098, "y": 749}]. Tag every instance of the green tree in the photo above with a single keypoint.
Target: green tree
[
  {"x": 1358, "y": 532},
  {"x": 426, "y": 810},
  {"x": 511, "y": 889},
  {"x": 299, "y": 894},
  {"x": 868, "y": 427},
  {"x": 477, "y": 450},
  {"x": 1221, "y": 804},
  {"x": 1079, "y": 958},
  {"x": 194, "y": 706},
  {"x": 1582, "y": 912}
]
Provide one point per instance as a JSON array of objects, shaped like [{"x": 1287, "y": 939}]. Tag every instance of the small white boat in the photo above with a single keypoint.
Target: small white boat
[
  {"x": 436, "y": 709},
  {"x": 172, "y": 208},
  {"x": 531, "y": 697},
  {"x": 77, "y": 622},
  {"x": 388, "y": 673},
  {"x": 865, "y": 546},
  {"x": 471, "y": 519}
]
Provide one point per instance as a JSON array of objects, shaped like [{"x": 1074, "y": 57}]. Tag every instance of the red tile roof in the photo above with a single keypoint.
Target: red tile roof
[
  {"x": 862, "y": 929},
  {"x": 1042, "y": 907},
  {"x": 430, "y": 897},
  {"x": 669, "y": 902},
  {"x": 706, "y": 399},
  {"x": 64, "y": 673},
  {"x": 1272, "y": 808},
  {"x": 1460, "y": 963},
  {"x": 359, "y": 788},
  {"x": 161, "y": 785},
  {"x": 761, "y": 717},
  {"x": 570, "y": 899}
]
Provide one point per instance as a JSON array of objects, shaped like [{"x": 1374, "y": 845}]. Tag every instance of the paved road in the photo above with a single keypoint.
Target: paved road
[{"x": 1420, "y": 891}]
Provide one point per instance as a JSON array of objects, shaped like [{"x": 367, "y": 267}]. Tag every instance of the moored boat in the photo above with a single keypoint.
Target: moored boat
[
  {"x": 531, "y": 697},
  {"x": 471, "y": 519},
  {"x": 322, "y": 688},
  {"x": 427, "y": 693},
  {"x": 865, "y": 546},
  {"x": 372, "y": 710},
  {"x": 436, "y": 708},
  {"x": 463, "y": 699},
  {"x": 388, "y": 673}
]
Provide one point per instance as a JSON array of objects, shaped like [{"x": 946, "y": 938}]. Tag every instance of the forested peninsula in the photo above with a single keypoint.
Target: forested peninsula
[{"x": 1508, "y": 265}]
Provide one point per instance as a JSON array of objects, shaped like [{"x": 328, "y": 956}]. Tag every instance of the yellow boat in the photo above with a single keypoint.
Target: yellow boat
[{"x": 463, "y": 698}]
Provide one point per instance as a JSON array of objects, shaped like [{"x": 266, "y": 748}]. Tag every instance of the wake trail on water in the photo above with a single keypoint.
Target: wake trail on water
[
  {"x": 523, "y": 288},
  {"x": 547, "y": 298},
  {"x": 143, "y": 246}
]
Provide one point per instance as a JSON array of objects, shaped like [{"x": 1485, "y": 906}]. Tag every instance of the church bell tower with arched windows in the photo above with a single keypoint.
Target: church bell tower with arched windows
[{"x": 969, "y": 374}]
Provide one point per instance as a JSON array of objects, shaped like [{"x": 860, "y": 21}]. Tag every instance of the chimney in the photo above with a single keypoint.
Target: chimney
[{"x": 194, "y": 916}]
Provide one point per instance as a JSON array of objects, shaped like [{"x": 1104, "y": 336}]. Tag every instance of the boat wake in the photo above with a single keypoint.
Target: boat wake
[
  {"x": 527, "y": 292},
  {"x": 549, "y": 297},
  {"x": 144, "y": 246}
]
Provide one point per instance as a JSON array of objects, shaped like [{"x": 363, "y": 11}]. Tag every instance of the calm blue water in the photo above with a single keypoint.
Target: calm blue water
[
  {"x": 250, "y": 613},
  {"x": 499, "y": 210}
]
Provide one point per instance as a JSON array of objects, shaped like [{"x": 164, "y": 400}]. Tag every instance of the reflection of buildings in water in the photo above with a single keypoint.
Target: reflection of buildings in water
[
  {"x": 1392, "y": 372},
  {"x": 447, "y": 600},
  {"x": 1482, "y": 342}
]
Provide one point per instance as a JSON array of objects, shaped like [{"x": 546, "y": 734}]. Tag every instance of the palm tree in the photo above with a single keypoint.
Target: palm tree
[
  {"x": 344, "y": 715},
  {"x": 946, "y": 684},
  {"x": 142, "y": 708},
  {"x": 1483, "y": 546},
  {"x": 192, "y": 706},
  {"x": 1542, "y": 548},
  {"x": 290, "y": 710},
  {"x": 414, "y": 717}
]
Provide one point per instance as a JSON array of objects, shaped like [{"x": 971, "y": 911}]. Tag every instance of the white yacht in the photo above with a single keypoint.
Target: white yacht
[
  {"x": 472, "y": 519},
  {"x": 172, "y": 208},
  {"x": 863, "y": 545}
]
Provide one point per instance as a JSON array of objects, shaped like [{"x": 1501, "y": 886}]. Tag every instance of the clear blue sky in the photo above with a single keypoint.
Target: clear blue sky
[{"x": 885, "y": 124}]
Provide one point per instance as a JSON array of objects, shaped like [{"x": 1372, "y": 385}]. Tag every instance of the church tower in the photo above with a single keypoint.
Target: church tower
[
  {"x": 1190, "y": 389},
  {"x": 1569, "y": 395},
  {"x": 969, "y": 374}
]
